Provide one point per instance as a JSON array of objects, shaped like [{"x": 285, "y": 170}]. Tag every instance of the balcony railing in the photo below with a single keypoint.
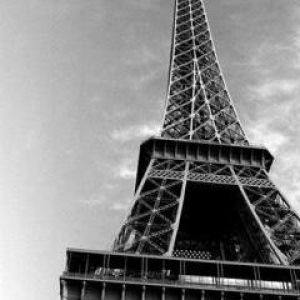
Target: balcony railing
[
  {"x": 280, "y": 288},
  {"x": 181, "y": 272}
]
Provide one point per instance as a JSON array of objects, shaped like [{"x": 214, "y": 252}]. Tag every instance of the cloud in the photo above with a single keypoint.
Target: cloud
[
  {"x": 138, "y": 80},
  {"x": 95, "y": 99},
  {"x": 144, "y": 4},
  {"x": 276, "y": 87},
  {"x": 145, "y": 56},
  {"x": 94, "y": 200},
  {"x": 143, "y": 63},
  {"x": 121, "y": 206},
  {"x": 263, "y": 133},
  {"x": 288, "y": 178},
  {"x": 135, "y": 132},
  {"x": 295, "y": 40},
  {"x": 145, "y": 69},
  {"x": 126, "y": 171}
]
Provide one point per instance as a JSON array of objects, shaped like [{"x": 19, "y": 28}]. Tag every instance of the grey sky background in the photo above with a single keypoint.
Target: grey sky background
[{"x": 82, "y": 83}]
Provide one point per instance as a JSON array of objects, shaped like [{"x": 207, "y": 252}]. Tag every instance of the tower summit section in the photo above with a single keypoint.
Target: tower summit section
[{"x": 198, "y": 103}]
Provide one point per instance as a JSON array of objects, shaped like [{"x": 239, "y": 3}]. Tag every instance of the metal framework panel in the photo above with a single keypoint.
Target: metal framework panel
[
  {"x": 154, "y": 221},
  {"x": 198, "y": 103}
]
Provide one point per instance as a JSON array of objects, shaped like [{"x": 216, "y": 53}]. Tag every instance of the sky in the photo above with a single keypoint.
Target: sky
[{"x": 83, "y": 83}]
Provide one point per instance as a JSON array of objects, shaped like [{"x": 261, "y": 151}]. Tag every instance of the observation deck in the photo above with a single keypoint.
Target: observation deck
[{"x": 109, "y": 275}]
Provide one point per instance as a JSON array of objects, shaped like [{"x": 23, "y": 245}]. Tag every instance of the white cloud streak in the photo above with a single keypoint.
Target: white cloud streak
[
  {"x": 126, "y": 172},
  {"x": 135, "y": 132},
  {"x": 262, "y": 133},
  {"x": 144, "y": 4},
  {"x": 121, "y": 206},
  {"x": 126, "y": 169},
  {"x": 94, "y": 200},
  {"x": 275, "y": 88}
]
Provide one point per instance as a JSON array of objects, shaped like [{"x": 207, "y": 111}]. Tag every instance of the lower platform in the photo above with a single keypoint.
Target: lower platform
[
  {"x": 208, "y": 152},
  {"x": 100, "y": 275}
]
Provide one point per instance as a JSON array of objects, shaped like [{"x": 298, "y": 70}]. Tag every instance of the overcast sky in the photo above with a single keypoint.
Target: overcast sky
[{"x": 82, "y": 83}]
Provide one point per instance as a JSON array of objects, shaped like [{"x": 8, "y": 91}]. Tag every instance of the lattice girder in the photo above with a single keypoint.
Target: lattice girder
[
  {"x": 280, "y": 221},
  {"x": 155, "y": 210},
  {"x": 153, "y": 223},
  {"x": 198, "y": 104}
]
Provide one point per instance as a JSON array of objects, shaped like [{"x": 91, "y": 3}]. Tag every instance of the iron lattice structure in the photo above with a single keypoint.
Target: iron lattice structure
[
  {"x": 202, "y": 191},
  {"x": 198, "y": 102},
  {"x": 206, "y": 222}
]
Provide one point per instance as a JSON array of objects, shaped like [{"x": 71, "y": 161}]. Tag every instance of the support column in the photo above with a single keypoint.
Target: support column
[
  {"x": 279, "y": 256},
  {"x": 183, "y": 294},
  {"x": 64, "y": 290},
  {"x": 82, "y": 295},
  {"x": 103, "y": 291},
  {"x": 163, "y": 293},
  {"x": 119, "y": 243},
  {"x": 123, "y": 292},
  {"x": 203, "y": 295},
  {"x": 179, "y": 210},
  {"x": 143, "y": 292}
]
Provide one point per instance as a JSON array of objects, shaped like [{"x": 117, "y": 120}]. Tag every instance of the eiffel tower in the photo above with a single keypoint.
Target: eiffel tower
[{"x": 207, "y": 221}]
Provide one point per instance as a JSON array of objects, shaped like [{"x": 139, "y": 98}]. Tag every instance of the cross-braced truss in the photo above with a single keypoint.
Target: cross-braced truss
[
  {"x": 149, "y": 226},
  {"x": 154, "y": 221},
  {"x": 198, "y": 103}
]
